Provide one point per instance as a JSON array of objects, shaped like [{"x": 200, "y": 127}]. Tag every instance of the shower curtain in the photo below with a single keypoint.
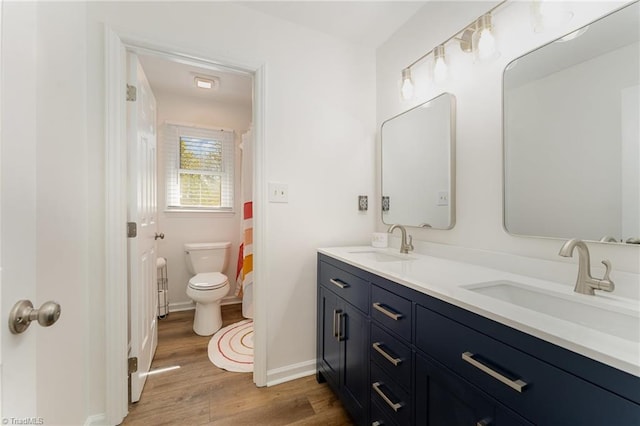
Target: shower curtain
[{"x": 244, "y": 271}]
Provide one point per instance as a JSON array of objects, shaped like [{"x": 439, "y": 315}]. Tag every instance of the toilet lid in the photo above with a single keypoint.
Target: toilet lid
[{"x": 208, "y": 281}]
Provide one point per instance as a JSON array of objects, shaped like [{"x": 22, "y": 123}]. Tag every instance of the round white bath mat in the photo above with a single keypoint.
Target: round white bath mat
[{"x": 231, "y": 347}]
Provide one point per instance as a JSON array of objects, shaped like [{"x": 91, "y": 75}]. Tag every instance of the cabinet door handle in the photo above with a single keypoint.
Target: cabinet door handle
[
  {"x": 485, "y": 422},
  {"x": 335, "y": 330},
  {"x": 393, "y": 315},
  {"x": 392, "y": 360},
  {"x": 338, "y": 282},
  {"x": 517, "y": 385},
  {"x": 377, "y": 423},
  {"x": 341, "y": 336},
  {"x": 395, "y": 406}
]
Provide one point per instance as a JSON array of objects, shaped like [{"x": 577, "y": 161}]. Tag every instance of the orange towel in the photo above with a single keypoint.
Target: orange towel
[{"x": 244, "y": 270}]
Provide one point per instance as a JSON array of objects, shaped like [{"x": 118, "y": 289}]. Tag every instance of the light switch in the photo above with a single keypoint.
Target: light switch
[{"x": 278, "y": 192}]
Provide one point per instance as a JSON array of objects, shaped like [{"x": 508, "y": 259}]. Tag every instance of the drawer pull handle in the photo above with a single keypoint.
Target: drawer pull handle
[
  {"x": 393, "y": 315},
  {"x": 485, "y": 422},
  {"x": 377, "y": 423},
  {"x": 395, "y": 406},
  {"x": 517, "y": 385},
  {"x": 339, "y": 283},
  {"x": 392, "y": 360}
]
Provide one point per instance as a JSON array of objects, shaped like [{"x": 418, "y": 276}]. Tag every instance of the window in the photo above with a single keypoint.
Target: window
[{"x": 199, "y": 168}]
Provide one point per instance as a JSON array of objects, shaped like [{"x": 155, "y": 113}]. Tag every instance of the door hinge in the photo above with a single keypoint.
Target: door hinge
[
  {"x": 132, "y": 93},
  {"x": 132, "y": 229},
  {"x": 133, "y": 365}
]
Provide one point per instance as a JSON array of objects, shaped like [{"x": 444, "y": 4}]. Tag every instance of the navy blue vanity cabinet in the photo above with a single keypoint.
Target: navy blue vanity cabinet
[
  {"x": 397, "y": 356},
  {"x": 343, "y": 337}
]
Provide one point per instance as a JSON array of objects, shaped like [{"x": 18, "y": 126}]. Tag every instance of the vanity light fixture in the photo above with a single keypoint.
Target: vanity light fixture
[
  {"x": 407, "y": 84},
  {"x": 476, "y": 37},
  {"x": 440, "y": 65}
]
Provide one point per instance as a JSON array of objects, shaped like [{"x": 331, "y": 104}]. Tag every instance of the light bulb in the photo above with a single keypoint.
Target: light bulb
[
  {"x": 547, "y": 14},
  {"x": 486, "y": 44},
  {"x": 571, "y": 36},
  {"x": 440, "y": 66},
  {"x": 407, "y": 84}
]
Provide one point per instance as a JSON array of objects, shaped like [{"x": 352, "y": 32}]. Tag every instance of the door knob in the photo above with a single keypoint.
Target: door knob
[
  {"x": 160, "y": 235},
  {"x": 23, "y": 313}
]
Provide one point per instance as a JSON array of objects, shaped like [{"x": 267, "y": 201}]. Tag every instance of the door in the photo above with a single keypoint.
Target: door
[
  {"x": 330, "y": 345},
  {"x": 18, "y": 207},
  {"x": 142, "y": 210},
  {"x": 355, "y": 337}
]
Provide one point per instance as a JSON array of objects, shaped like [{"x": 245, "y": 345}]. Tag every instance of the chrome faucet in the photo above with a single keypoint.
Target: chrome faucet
[
  {"x": 586, "y": 284},
  {"x": 405, "y": 246}
]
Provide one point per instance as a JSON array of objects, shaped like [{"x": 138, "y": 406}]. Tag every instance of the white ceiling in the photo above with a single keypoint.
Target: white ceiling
[
  {"x": 367, "y": 23},
  {"x": 166, "y": 76}
]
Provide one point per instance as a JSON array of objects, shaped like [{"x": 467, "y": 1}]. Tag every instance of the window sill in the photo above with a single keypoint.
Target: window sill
[{"x": 198, "y": 213}]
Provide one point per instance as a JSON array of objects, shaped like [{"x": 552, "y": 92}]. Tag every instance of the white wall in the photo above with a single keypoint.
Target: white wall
[
  {"x": 319, "y": 138},
  {"x": 180, "y": 228},
  {"x": 478, "y": 90}
]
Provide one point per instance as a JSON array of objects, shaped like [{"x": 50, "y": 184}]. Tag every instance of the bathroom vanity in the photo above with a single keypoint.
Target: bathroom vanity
[{"x": 409, "y": 339}]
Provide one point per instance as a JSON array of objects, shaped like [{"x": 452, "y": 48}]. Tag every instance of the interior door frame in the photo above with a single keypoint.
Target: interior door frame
[{"x": 116, "y": 298}]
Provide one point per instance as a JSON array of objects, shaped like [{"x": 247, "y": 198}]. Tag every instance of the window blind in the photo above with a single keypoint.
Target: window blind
[{"x": 199, "y": 168}]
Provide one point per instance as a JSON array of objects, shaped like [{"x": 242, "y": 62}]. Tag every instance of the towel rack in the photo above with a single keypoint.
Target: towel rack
[{"x": 163, "y": 288}]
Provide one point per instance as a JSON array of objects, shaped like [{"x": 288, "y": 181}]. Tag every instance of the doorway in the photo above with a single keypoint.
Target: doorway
[{"x": 116, "y": 297}]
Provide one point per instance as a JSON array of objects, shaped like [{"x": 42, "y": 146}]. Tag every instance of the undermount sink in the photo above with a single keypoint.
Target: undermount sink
[
  {"x": 617, "y": 321},
  {"x": 379, "y": 256}
]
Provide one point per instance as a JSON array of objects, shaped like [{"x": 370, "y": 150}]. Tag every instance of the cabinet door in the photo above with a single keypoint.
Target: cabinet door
[
  {"x": 443, "y": 399},
  {"x": 329, "y": 341},
  {"x": 354, "y": 334}
]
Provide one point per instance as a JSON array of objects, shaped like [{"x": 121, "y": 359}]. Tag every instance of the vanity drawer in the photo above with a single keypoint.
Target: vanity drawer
[
  {"x": 351, "y": 288},
  {"x": 393, "y": 401},
  {"x": 392, "y": 311},
  {"x": 379, "y": 416},
  {"x": 523, "y": 383},
  {"x": 391, "y": 355}
]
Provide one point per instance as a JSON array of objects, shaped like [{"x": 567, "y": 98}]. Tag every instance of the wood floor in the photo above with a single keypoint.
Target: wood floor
[{"x": 199, "y": 393}]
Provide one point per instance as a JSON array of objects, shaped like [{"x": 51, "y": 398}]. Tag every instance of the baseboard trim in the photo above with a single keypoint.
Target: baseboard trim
[
  {"x": 291, "y": 372},
  {"x": 189, "y": 305},
  {"x": 181, "y": 306},
  {"x": 96, "y": 420}
]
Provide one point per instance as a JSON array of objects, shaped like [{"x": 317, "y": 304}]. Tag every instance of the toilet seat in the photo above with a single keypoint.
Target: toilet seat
[{"x": 208, "y": 281}]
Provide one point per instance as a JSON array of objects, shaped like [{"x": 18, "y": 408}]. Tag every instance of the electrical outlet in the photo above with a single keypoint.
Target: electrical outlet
[
  {"x": 443, "y": 198},
  {"x": 278, "y": 192},
  {"x": 363, "y": 203}
]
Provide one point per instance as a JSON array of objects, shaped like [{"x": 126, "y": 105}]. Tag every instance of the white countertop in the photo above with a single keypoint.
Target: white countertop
[{"x": 445, "y": 279}]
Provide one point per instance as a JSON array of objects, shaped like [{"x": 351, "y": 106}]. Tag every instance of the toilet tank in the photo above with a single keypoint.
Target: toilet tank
[{"x": 207, "y": 257}]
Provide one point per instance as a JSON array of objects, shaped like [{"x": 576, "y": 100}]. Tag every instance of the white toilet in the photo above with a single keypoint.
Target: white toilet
[{"x": 209, "y": 285}]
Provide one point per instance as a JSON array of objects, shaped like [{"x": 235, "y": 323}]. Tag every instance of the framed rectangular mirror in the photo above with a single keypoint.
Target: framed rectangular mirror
[
  {"x": 571, "y": 134},
  {"x": 418, "y": 165}
]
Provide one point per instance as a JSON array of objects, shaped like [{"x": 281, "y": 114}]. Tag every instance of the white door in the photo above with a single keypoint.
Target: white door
[
  {"x": 142, "y": 209},
  {"x": 18, "y": 208}
]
